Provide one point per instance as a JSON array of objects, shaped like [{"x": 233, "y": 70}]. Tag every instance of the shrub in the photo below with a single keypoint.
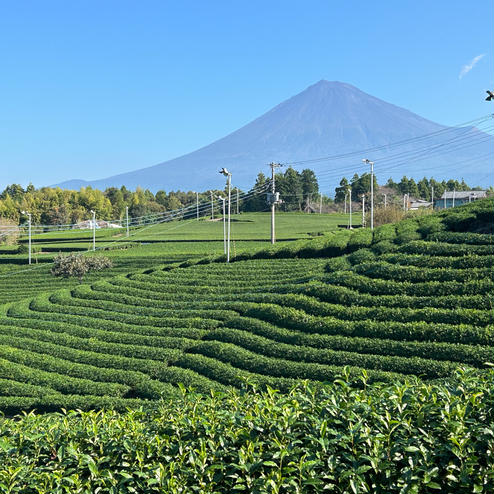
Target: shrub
[
  {"x": 362, "y": 255},
  {"x": 360, "y": 239},
  {"x": 78, "y": 265},
  {"x": 406, "y": 231},
  {"x": 386, "y": 215},
  {"x": 429, "y": 225},
  {"x": 9, "y": 231},
  {"x": 384, "y": 246},
  {"x": 24, "y": 249},
  {"x": 385, "y": 232}
]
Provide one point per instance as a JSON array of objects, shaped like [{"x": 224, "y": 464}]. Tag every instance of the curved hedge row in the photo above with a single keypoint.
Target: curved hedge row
[{"x": 389, "y": 287}]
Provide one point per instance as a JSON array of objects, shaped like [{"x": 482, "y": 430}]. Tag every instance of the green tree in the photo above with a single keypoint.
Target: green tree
[
  {"x": 290, "y": 190},
  {"x": 310, "y": 187},
  {"x": 341, "y": 191},
  {"x": 256, "y": 201},
  {"x": 424, "y": 189}
]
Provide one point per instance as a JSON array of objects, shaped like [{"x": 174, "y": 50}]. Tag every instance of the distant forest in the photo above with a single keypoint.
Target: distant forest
[{"x": 299, "y": 191}]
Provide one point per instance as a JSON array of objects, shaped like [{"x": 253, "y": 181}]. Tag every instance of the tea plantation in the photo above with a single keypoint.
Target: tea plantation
[
  {"x": 148, "y": 246},
  {"x": 390, "y": 331}
]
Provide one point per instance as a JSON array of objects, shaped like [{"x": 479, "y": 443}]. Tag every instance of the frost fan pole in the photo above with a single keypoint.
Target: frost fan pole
[
  {"x": 273, "y": 199},
  {"x": 94, "y": 229},
  {"x": 228, "y": 176}
]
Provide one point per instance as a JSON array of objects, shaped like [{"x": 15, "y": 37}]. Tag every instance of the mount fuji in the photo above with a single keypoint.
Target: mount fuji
[{"x": 328, "y": 119}]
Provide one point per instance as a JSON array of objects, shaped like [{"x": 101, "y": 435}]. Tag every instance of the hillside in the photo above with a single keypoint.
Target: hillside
[
  {"x": 149, "y": 246},
  {"x": 412, "y": 299},
  {"x": 390, "y": 331},
  {"x": 326, "y": 119}
]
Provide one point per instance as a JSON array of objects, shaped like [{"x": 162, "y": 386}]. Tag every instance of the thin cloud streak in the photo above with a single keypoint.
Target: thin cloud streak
[{"x": 469, "y": 66}]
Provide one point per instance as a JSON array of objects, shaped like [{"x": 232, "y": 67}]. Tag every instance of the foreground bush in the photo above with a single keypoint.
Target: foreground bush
[
  {"x": 77, "y": 265},
  {"x": 407, "y": 437}
]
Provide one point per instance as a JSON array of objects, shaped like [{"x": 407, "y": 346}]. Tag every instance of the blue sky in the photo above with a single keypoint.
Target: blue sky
[{"x": 94, "y": 88}]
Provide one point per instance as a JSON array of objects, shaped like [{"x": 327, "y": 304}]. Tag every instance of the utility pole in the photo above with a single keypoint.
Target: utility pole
[
  {"x": 212, "y": 205},
  {"x": 405, "y": 202},
  {"x": 345, "y": 203},
  {"x": 320, "y": 204},
  {"x": 363, "y": 210},
  {"x": 238, "y": 201},
  {"x": 228, "y": 176},
  {"x": 385, "y": 200},
  {"x": 127, "y": 218},
  {"x": 371, "y": 163},
  {"x": 29, "y": 234},
  {"x": 432, "y": 196},
  {"x": 454, "y": 193},
  {"x": 197, "y": 206},
  {"x": 223, "y": 199},
  {"x": 350, "y": 207},
  {"x": 94, "y": 229},
  {"x": 273, "y": 199}
]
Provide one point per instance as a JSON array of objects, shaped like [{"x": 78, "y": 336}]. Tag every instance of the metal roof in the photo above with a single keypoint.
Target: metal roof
[{"x": 464, "y": 194}]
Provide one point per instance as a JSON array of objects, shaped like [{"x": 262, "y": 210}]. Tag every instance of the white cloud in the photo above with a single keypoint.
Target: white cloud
[{"x": 469, "y": 66}]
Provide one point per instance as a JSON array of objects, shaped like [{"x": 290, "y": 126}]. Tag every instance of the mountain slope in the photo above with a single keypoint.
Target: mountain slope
[{"x": 328, "y": 118}]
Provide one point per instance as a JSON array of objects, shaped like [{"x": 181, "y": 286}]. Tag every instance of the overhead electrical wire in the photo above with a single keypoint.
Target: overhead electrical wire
[{"x": 350, "y": 154}]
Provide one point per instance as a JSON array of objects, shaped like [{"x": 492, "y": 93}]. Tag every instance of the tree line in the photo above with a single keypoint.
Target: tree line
[
  {"x": 417, "y": 190},
  {"x": 55, "y": 206},
  {"x": 299, "y": 191}
]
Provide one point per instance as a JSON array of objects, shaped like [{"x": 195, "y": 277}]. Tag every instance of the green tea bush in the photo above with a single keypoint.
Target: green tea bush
[
  {"x": 384, "y": 246},
  {"x": 360, "y": 239},
  {"x": 406, "y": 231},
  {"x": 385, "y": 233},
  {"x": 461, "y": 238},
  {"x": 398, "y": 437},
  {"x": 430, "y": 224},
  {"x": 362, "y": 255}
]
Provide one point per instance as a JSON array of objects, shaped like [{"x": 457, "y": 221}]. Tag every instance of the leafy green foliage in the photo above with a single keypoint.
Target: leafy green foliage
[{"x": 380, "y": 438}]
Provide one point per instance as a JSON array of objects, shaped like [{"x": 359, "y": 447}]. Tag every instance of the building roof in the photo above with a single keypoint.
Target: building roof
[
  {"x": 419, "y": 204},
  {"x": 474, "y": 194}
]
